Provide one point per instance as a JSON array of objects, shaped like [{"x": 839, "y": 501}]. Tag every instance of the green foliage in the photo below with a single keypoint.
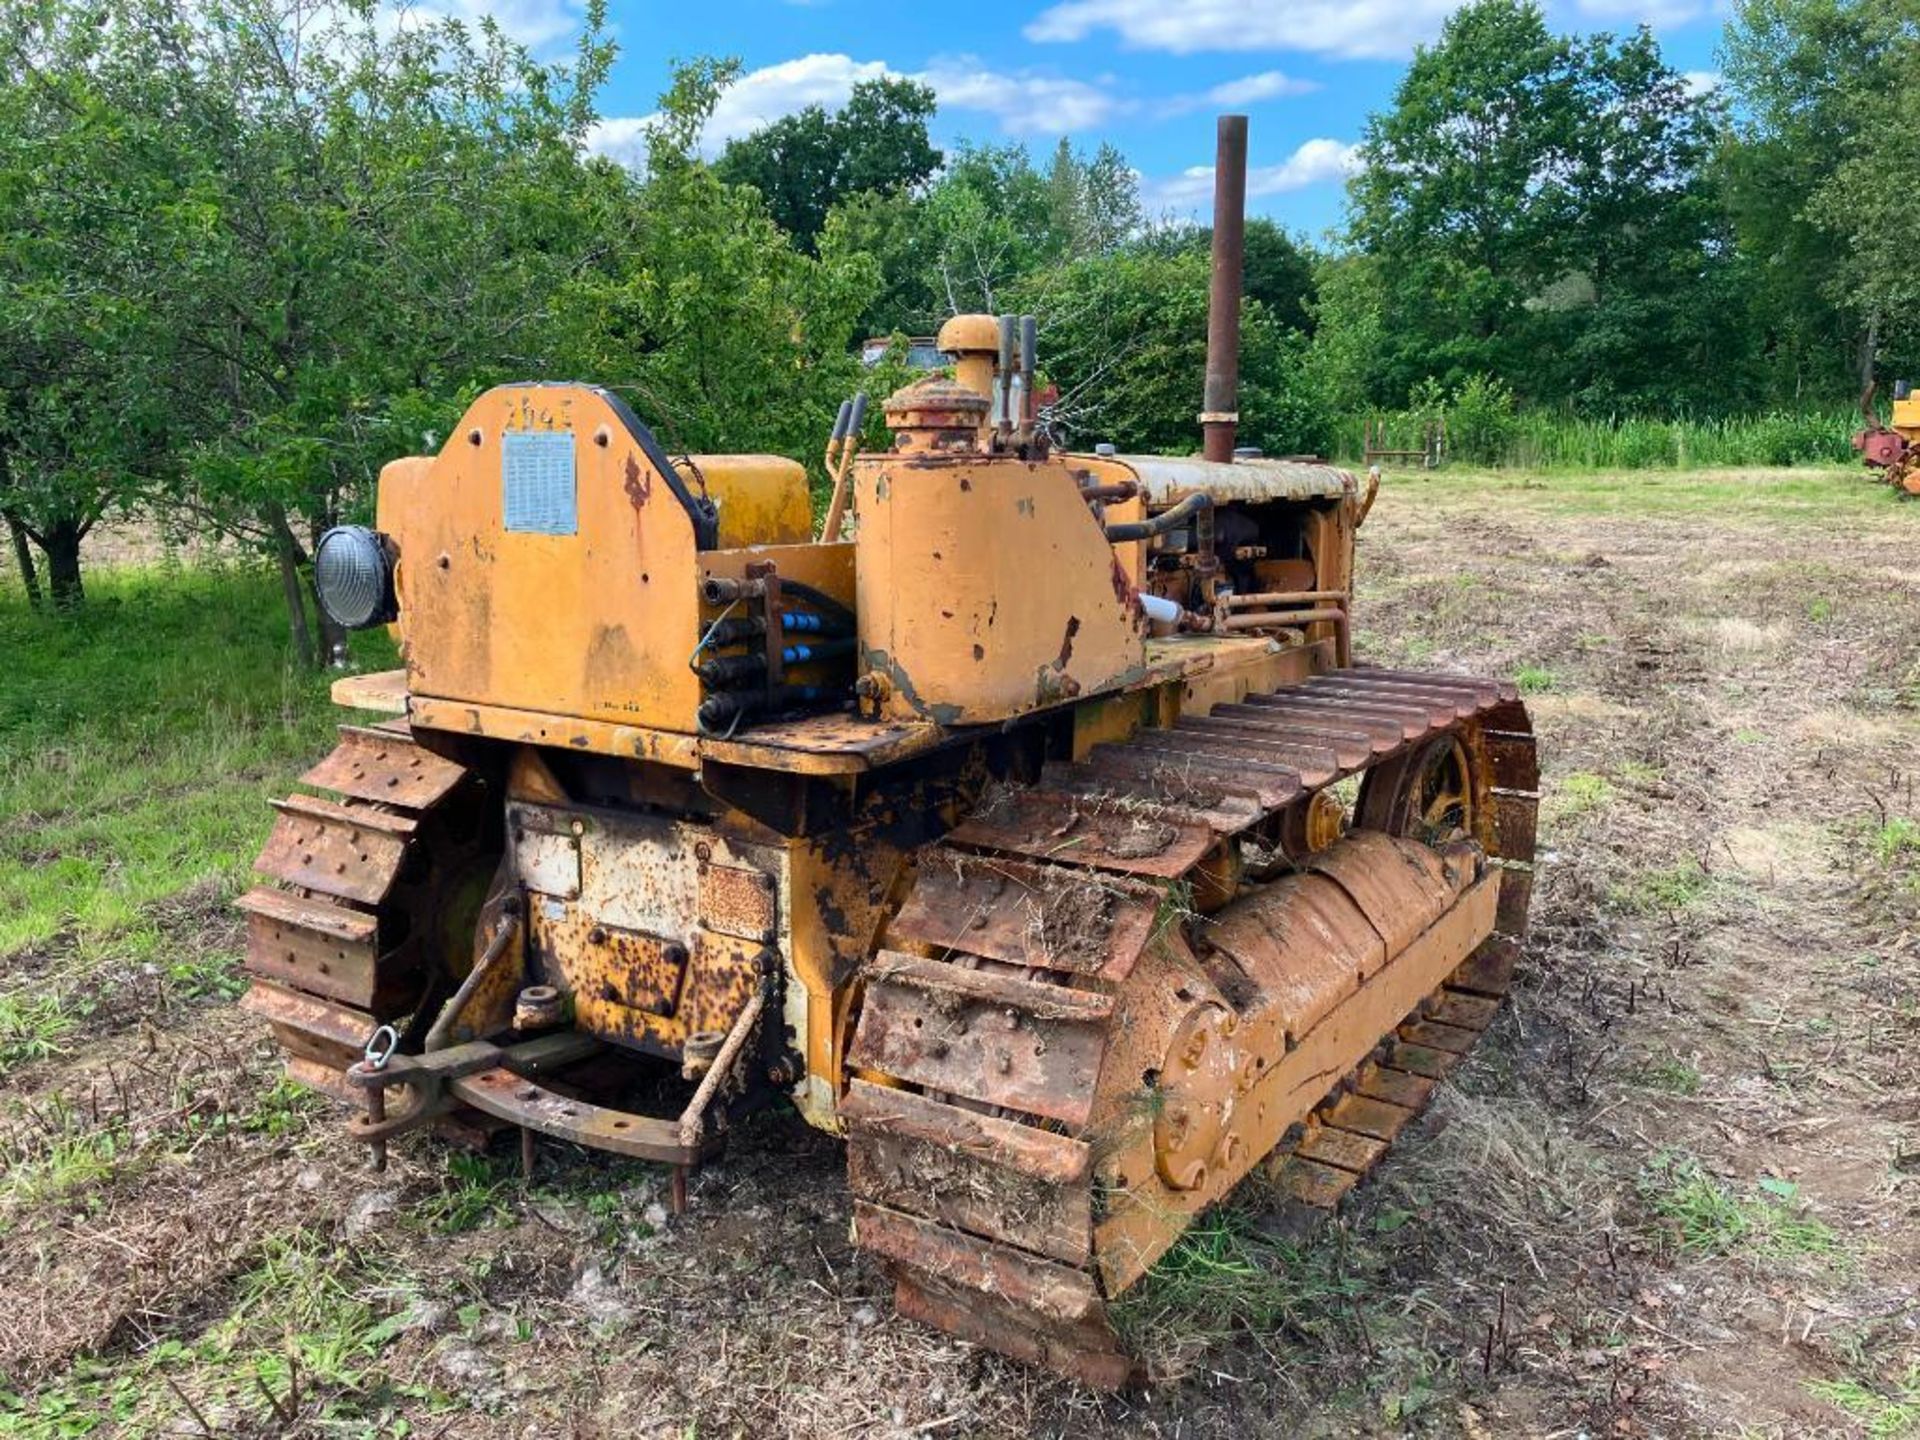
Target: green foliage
[
  {"x": 1888, "y": 1411},
  {"x": 1699, "y": 1214},
  {"x": 1540, "y": 210},
  {"x": 129, "y": 772},
  {"x": 806, "y": 163},
  {"x": 1125, "y": 340}
]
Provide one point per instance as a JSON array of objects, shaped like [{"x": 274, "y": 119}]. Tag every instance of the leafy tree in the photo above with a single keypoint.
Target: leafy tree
[
  {"x": 1816, "y": 173},
  {"x": 806, "y": 163},
  {"x": 1124, "y": 336},
  {"x": 1539, "y": 205},
  {"x": 726, "y": 336}
]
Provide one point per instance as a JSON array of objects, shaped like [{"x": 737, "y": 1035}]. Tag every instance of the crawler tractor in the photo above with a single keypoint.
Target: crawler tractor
[
  {"x": 1038, "y": 834},
  {"x": 1892, "y": 449}
]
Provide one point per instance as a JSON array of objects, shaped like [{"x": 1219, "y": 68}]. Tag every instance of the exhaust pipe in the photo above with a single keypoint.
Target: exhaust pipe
[{"x": 1219, "y": 413}]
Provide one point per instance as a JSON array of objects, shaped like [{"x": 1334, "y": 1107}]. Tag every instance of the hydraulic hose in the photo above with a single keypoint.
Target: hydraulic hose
[{"x": 1160, "y": 524}]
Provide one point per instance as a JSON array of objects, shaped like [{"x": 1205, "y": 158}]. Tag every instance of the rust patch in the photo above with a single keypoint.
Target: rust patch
[
  {"x": 639, "y": 483},
  {"x": 1066, "y": 642}
]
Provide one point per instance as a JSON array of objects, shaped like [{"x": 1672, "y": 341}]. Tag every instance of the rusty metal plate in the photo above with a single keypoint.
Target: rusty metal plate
[
  {"x": 323, "y": 847},
  {"x": 1315, "y": 764},
  {"x": 1043, "y": 1287},
  {"x": 1235, "y": 724},
  {"x": 1440, "y": 710},
  {"x": 992, "y": 1038},
  {"x": 1513, "y": 824},
  {"x": 607, "y": 963},
  {"x": 739, "y": 901},
  {"x": 380, "y": 766},
  {"x": 1025, "y": 914},
  {"x": 309, "y": 1026},
  {"x": 1342, "y": 1149},
  {"x": 1089, "y": 1352},
  {"x": 1412, "y": 721},
  {"x": 1514, "y": 759},
  {"x": 1366, "y": 1116},
  {"x": 1382, "y": 733},
  {"x": 1395, "y": 1087},
  {"x": 1486, "y": 689},
  {"x": 1516, "y": 899},
  {"x": 1467, "y": 1011},
  {"x": 1198, "y": 783},
  {"x": 313, "y": 946},
  {"x": 1113, "y": 775},
  {"x": 1401, "y": 886},
  {"x": 520, "y": 1101},
  {"x": 969, "y": 1191},
  {"x": 1069, "y": 829},
  {"x": 1311, "y": 1183},
  {"x": 1433, "y": 1035},
  {"x": 1489, "y": 970},
  {"x": 1041, "y": 1154}
]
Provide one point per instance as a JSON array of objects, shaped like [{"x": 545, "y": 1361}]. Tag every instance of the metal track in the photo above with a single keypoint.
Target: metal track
[
  {"x": 342, "y": 944},
  {"x": 1032, "y": 974}
]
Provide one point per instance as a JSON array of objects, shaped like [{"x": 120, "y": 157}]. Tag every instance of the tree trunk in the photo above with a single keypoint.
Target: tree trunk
[
  {"x": 1869, "y": 352},
  {"x": 287, "y": 553},
  {"x": 61, "y": 542},
  {"x": 333, "y": 638},
  {"x": 23, "y": 557}
]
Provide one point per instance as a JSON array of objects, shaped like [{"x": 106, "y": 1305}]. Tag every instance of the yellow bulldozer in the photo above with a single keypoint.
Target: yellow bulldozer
[{"x": 1033, "y": 828}]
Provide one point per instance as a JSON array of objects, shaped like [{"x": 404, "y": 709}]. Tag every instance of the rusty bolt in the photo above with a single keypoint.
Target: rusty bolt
[
  {"x": 675, "y": 954},
  {"x": 703, "y": 852},
  {"x": 597, "y": 936}
]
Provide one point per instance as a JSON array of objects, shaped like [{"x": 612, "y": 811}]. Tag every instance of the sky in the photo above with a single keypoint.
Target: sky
[{"x": 1147, "y": 75}]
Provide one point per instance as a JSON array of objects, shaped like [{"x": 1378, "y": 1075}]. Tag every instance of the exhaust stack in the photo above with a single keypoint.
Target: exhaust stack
[{"x": 1219, "y": 413}]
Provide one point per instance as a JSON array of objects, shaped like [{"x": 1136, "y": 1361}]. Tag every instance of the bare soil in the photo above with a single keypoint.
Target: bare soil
[{"x": 1673, "y": 1194}]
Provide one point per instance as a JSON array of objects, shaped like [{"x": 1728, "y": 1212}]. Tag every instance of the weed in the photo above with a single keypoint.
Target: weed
[
  {"x": 1884, "y": 1415},
  {"x": 1894, "y": 840},
  {"x": 472, "y": 1197},
  {"x": 1674, "y": 887},
  {"x": 1701, "y": 1215},
  {"x": 1820, "y": 610},
  {"x": 1580, "y": 793},
  {"x": 1535, "y": 679},
  {"x": 1673, "y": 1075},
  {"x": 31, "y": 1026}
]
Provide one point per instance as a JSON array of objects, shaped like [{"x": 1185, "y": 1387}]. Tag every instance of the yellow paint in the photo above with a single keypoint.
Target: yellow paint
[
  {"x": 762, "y": 499},
  {"x": 1906, "y": 417},
  {"x": 987, "y": 588},
  {"x": 535, "y": 727}
]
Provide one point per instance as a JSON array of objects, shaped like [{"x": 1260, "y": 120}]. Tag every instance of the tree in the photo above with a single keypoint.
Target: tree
[
  {"x": 1816, "y": 175},
  {"x": 1124, "y": 335},
  {"x": 806, "y": 163},
  {"x": 1540, "y": 207}
]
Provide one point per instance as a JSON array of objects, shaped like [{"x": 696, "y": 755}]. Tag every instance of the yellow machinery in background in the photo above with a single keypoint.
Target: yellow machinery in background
[
  {"x": 1893, "y": 449},
  {"x": 1039, "y": 835}
]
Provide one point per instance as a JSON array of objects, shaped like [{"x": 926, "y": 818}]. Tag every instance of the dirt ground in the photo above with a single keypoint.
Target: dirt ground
[{"x": 1673, "y": 1194}]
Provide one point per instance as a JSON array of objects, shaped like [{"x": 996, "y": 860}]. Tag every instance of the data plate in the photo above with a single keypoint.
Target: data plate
[{"x": 537, "y": 482}]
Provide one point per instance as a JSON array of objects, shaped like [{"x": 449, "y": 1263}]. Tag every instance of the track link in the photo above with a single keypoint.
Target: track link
[
  {"x": 342, "y": 943},
  {"x": 1006, "y": 1163}
]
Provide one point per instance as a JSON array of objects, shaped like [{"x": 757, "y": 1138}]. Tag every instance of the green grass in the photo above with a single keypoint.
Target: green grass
[
  {"x": 1535, "y": 679},
  {"x": 1884, "y": 1412},
  {"x": 31, "y": 1026},
  {"x": 1894, "y": 840},
  {"x": 1673, "y": 887},
  {"x": 1769, "y": 497},
  {"x": 139, "y": 743},
  {"x": 1672, "y": 1075},
  {"x": 1701, "y": 1215},
  {"x": 1581, "y": 792},
  {"x": 1553, "y": 440}
]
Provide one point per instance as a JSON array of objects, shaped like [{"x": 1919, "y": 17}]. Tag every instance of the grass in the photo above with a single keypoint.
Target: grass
[
  {"x": 1670, "y": 888},
  {"x": 1886, "y": 1412},
  {"x": 139, "y": 742},
  {"x": 1814, "y": 496},
  {"x": 31, "y": 1026},
  {"x": 1578, "y": 793},
  {"x": 1535, "y": 679},
  {"x": 1672, "y": 1075},
  {"x": 1701, "y": 1215},
  {"x": 1894, "y": 840},
  {"x": 1554, "y": 440}
]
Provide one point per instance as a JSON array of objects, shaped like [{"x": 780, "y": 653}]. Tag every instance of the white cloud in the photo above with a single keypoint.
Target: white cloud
[
  {"x": 1267, "y": 85},
  {"x": 537, "y": 24},
  {"x": 1701, "y": 82},
  {"x": 1350, "y": 29},
  {"x": 1315, "y": 162},
  {"x": 1024, "y": 102}
]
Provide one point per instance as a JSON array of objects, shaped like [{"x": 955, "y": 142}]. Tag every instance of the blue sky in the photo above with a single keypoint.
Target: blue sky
[{"x": 1149, "y": 75}]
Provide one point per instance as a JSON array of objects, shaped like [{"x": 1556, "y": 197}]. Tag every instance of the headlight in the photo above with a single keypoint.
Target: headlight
[{"x": 353, "y": 575}]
